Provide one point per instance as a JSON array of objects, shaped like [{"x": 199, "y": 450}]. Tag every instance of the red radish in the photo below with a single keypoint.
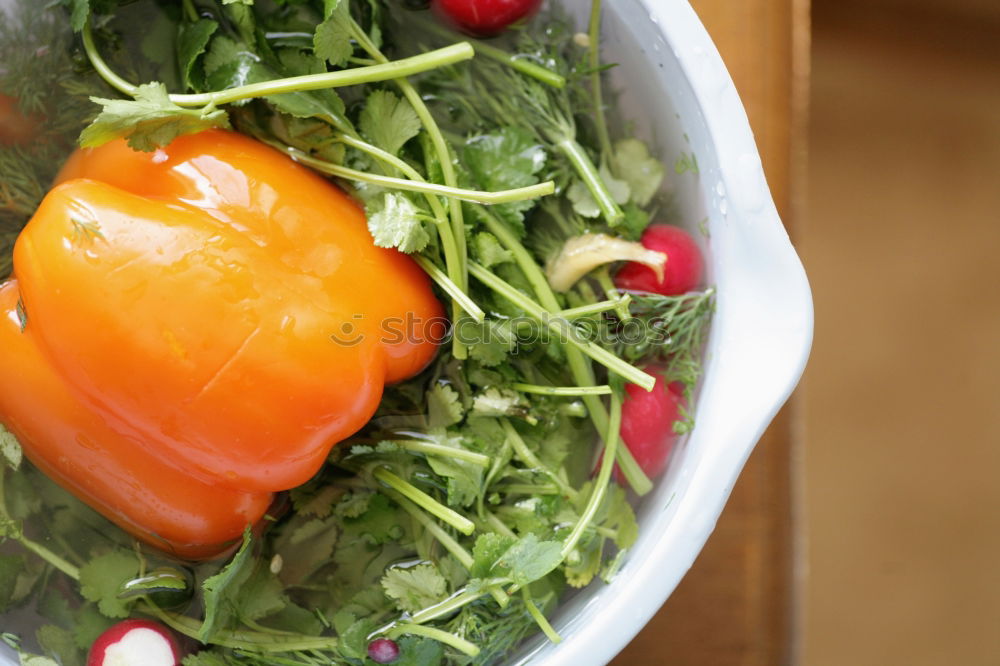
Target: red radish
[
  {"x": 484, "y": 18},
  {"x": 684, "y": 263},
  {"x": 383, "y": 651},
  {"x": 135, "y": 643},
  {"x": 647, "y": 428}
]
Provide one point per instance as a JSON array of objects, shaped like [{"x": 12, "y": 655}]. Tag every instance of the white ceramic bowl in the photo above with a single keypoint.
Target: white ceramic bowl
[
  {"x": 761, "y": 333},
  {"x": 677, "y": 91}
]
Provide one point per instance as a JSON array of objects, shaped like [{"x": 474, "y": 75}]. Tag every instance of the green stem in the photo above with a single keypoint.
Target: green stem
[
  {"x": 580, "y": 368},
  {"x": 449, "y": 605},
  {"x": 422, "y": 186},
  {"x": 594, "y": 35},
  {"x": 563, "y": 329},
  {"x": 450, "y": 288},
  {"x": 447, "y": 169},
  {"x": 384, "y": 71},
  {"x": 611, "y": 291},
  {"x": 445, "y": 539},
  {"x": 519, "y": 63},
  {"x": 528, "y": 489},
  {"x": 611, "y": 440},
  {"x": 433, "y": 449},
  {"x": 439, "y": 635},
  {"x": 191, "y": 11},
  {"x": 539, "y": 618},
  {"x": 603, "y": 389},
  {"x": 453, "y": 262},
  {"x": 622, "y": 301},
  {"x": 425, "y": 501},
  {"x": 585, "y": 168},
  {"x": 250, "y": 641},
  {"x": 33, "y": 546},
  {"x": 529, "y": 458}
]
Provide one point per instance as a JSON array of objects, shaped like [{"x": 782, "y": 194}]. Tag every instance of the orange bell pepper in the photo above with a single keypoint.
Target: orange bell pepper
[{"x": 200, "y": 324}]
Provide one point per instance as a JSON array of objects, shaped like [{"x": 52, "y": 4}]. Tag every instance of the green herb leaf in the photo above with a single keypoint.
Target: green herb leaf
[
  {"x": 642, "y": 173},
  {"x": 192, "y": 42},
  {"x": 388, "y": 121},
  {"x": 394, "y": 221},
  {"x": 522, "y": 560},
  {"x": 332, "y": 40},
  {"x": 59, "y": 643},
  {"x": 506, "y": 159},
  {"x": 10, "y": 448},
  {"x": 488, "y": 251},
  {"x": 11, "y": 567},
  {"x": 102, "y": 578},
  {"x": 418, "y": 651},
  {"x": 416, "y": 587},
  {"x": 148, "y": 122},
  {"x": 220, "y": 588},
  {"x": 444, "y": 407}
]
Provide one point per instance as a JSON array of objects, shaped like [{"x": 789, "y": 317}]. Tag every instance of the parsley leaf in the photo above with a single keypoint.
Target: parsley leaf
[
  {"x": 488, "y": 251},
  {"x": 416, "y": 587},
  {"x": 149, "y": 121}
]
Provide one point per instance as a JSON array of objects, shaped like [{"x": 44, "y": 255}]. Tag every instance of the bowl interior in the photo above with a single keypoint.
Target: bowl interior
[{"x": 676, "y": 93}]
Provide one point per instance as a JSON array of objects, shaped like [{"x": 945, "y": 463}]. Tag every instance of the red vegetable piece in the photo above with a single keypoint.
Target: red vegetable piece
[
  {"x": 484, "y": 18},
  {"x": 648, "y": 419},
  {"x": 135, "y": 643},
  {"x": 684, "y": 263},
  {"x": 383, "y": 651}
]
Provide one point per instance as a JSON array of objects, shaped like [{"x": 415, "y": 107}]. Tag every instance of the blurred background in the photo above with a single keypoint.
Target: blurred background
[
  {"x": 901, "y": 401},
  {"x": 865, "y": 530}
]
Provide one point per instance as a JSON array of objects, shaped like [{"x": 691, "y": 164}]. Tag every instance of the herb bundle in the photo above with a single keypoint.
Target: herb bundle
[{"x": 455, "y": 520}]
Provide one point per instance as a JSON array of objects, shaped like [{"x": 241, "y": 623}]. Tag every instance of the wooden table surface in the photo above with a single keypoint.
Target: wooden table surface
[{"x": 737, "y": 605}]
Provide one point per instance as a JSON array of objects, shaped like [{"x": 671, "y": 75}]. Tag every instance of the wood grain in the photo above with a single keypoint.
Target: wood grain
[{"x": 737, "y": 605}]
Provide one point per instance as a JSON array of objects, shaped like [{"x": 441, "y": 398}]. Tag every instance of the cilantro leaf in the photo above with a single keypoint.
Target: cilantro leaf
[
  {"x": 522, "y": 560},
  {"x": 465, "y": 479},
  {"x": 332, "y": 39},
  {"x": 419, "y": 651},
  {"x": 636, "y": 167},
  {"x": 488, "y": 251},
  {"x": 149, "y": 121},
  {"x": 11, "y": 567},
  {"x": 59, "y": 643},
  {"x": 101, "y": 580},
  {"x": 444, "y": 408},
  {"x": 506, "y": 159},
  {"x": 10, "y": 448},
  {"x": 192, "y": 42},
  {"x": 394, "y": 221},
  {"x": 496, "y": 402},
  {"x": 220, "y": 588},
  {"x": 416, "y": 587},
  {"x": 388, "y": 121}
]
